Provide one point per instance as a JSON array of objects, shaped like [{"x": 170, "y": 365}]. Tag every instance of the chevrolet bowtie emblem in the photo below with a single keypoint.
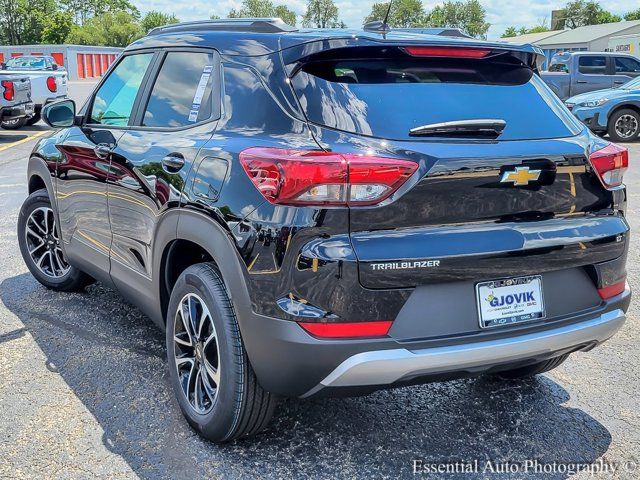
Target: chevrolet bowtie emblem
[{"x": 521, "y": 176}]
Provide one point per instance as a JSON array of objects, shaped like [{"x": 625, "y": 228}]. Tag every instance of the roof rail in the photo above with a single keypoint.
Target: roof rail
[{"x": 258, "y": 25}]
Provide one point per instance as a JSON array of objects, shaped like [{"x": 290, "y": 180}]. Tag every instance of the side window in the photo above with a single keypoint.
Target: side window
[
  {"x": 592, "y": 65},
  {"x": 182, "y": 92},
  {"x": 627, "y": 65},
  {"x": 114, "y": 100}
]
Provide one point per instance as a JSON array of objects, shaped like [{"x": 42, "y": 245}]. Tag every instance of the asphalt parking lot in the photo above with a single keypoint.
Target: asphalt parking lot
[{"x": 84, "y": 393}]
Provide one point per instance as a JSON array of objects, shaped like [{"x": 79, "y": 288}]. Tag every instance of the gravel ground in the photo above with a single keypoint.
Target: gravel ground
[{"x": 84, "y": 393}]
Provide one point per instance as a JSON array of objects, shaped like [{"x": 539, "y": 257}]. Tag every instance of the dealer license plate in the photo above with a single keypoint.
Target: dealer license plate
[{"x": 510, "y": 301}]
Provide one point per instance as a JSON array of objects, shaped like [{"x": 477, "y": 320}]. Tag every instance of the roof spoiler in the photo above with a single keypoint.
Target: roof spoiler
[
  {"x": 294, "y": 57},
  {"x": 441, "y": 32}
]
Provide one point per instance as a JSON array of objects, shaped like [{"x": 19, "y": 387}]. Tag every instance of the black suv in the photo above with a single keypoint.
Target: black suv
[{"x": 322, "y": 212}]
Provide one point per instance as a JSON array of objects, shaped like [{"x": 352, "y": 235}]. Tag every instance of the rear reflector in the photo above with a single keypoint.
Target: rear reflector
[
  {"x": 347, "y": 330},
  {"x": 610, "y": 163},
  {"x": 612, "y": 290},
  {"x": 9, "y": 92},
  {"x": 425, "y": 51},
  {"x": 301, "y": 177}
]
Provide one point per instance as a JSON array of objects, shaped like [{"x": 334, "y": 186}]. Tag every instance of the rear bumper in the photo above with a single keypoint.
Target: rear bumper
[
  {"x": 386, "y": 367},
  {"x": 290, "y": 362},
  {"x": 17, "y": 111}
]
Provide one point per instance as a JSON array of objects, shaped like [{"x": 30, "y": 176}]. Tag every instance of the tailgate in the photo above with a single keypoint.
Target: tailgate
[
  {"x": 21, "y": 89},
  {"x": 459, "y": 221},
  {"x": 504, "y": 185}
]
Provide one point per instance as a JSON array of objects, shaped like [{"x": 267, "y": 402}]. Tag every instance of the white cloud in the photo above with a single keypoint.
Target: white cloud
[{"x": 500, "y": 13}]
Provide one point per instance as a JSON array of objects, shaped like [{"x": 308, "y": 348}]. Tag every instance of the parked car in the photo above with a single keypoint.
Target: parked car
[
  {"x": 48, "y": 83},
  {"x": 15, "y": 102},
  {"x": 574, "y": 73},
  {"x": 331, "y": 212},
  {"x": 615, "y": 111}
]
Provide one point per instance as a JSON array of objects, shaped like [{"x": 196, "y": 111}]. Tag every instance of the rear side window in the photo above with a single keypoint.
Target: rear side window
[
  {"x": 387, "y": 97},
  {"x": 181, "y": 95},
  {"x": 627, "y": 65},
  {"x": 590, "y": 64},
  {"x": 114, "y": 100}
]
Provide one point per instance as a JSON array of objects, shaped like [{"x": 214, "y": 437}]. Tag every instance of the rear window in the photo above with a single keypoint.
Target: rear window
[
  {"x": 387, "y": 97},
  {"x": 559, "y": 67}
]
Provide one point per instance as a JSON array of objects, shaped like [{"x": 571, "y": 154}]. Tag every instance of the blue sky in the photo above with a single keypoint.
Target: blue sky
[{"x": 500, "y": 13}]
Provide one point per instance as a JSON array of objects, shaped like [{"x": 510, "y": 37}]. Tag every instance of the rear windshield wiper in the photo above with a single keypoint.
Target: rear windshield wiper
[{"x": 485, "y": 128}]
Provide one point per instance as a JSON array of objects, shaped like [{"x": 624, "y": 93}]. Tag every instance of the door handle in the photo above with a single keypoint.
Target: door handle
[
  {"x": 173, "y": 162},
  {"x": 102, "y": 150},
  {"x": 581, "y": 81},
  {"x": 618, "y": 82}
]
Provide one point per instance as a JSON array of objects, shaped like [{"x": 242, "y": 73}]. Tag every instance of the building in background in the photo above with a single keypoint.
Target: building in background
[
  {"x": 592, "y": 38},
  {"x": 626, "y": 44},
  {"x": 80, "y": 61}
]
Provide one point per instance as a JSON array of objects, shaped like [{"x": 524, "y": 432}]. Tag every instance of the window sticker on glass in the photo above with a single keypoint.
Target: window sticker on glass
[{"x": 197, "y": 98}]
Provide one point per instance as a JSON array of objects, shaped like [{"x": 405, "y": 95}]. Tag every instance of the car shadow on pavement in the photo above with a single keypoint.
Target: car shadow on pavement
[
  {"x": 112, "y": 358},
  {"x": 11, "y": 137}
]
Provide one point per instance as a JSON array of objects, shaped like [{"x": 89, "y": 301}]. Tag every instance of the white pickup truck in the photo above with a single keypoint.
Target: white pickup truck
[
  {"x": 15, "y": 99},
  {"x": 48, "y": 83}
]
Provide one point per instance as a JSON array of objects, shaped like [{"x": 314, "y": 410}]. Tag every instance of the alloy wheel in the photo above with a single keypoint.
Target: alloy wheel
[
  {"x": 626, "y": 126},
  {"x": 43, "y": 243},
  {"x": 196, "y": 353}
]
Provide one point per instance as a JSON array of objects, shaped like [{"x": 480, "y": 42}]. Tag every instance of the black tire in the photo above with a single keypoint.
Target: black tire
[
  {"x": 14, "y": 124},
  {"x": 72, "y": 280},
  {"x": 33, "y": 120},
  {"x": 238, "y": 406},
  {"x": 534, "y": 369},
  {"x": 629, "y": 121}
]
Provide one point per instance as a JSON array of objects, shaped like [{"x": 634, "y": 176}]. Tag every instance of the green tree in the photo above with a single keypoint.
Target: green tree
[
  {"x": 579, "y": 13},
  {"x": 608, "y": 17},
  {"x": 321, "y": 14},
  {"x": 83, "y": 10},
  {"x": 23, "y": 21},
  {"x": 288, "y": 16},
  {"x": 115, "y": 29},
  {"x": 155, "y": 19},
  {"x": 514, "y": 31},
  {"x": 469, "y": 16},
  {"x": 264, "y": 9},
  {"x": 56, "y": 27},
  {"x": 634, "y": 15},
  {"x": 403, "y": 14},
  {"x": 538, "y": 29},
  {"x": 510, "y": 32}
]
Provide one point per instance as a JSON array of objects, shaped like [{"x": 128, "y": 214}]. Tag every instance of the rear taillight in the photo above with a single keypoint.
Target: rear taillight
[
  {"x": 9, "y": 92},
  {"x": 347, "y": 329},
  {"x": 457, "y": 52},
  {"x": 301, "y": 177},
  {"x": 612, "y": 290},
  {"x": 610, "y": 163},
  {"x": 51, "y": 84}
]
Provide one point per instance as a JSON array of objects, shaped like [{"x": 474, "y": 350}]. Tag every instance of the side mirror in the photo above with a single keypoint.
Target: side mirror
[
  {"x": 3, "y": 66},
  {"x": 59, "y": 114},
  {"x": 54, "y": 66}
]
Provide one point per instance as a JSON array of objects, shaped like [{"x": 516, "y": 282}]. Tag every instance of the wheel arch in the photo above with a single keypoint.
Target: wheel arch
[
  {"x": 39, "y": 176},
  {"x": 622, "y": 106},
  {"x": 198, "y": 238}
]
